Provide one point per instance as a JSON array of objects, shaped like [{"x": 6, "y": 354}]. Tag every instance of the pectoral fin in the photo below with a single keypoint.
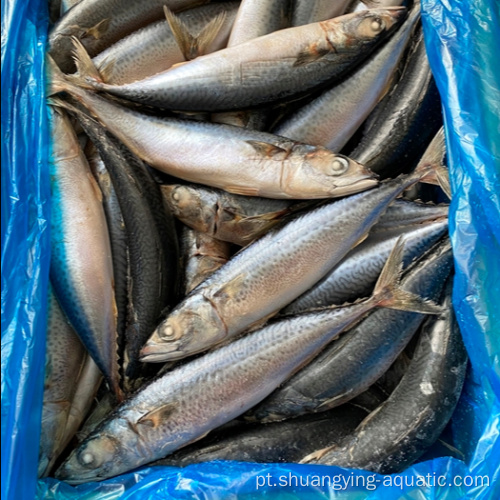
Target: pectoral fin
[
  {"x": 266, "y": 148},
  {"x": 231, "y": 288},
  {"x": 98, "y": 30},
  {"x": 157, "y": 416}
]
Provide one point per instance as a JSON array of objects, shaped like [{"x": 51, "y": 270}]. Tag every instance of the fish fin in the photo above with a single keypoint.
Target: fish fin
[
  {"x": 327, "y": 403},
  {"x": 105, "y": 69},
  {"x": 311, "y": 54},
  {"x": 266, "y": 148},
  {"x": 430, "y": 168},
  {"x": 231, "y": 288},
  {"x": 58, "y": 80},
  {"x": 208, "y": 34},
  {"x": 389, "y": 294},
  {"x": 243, "y": 190},
  {"x": 155, "y": 417},
  {"x": 84, "y": 64},
  {"x": 98, "y": 30},
  {"x": 317, "y": 455},
  {"x": 193, "y": 46}
]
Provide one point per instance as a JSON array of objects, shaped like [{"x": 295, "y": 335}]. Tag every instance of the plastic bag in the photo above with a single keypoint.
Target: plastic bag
[{"x": 461, "y": 38}]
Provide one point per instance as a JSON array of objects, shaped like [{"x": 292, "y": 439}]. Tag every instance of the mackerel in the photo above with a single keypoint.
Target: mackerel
[{"x": 81, "y": 266}]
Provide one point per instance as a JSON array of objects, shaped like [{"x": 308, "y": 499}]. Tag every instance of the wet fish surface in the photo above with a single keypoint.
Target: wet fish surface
[{"x": 401, "y": 430}]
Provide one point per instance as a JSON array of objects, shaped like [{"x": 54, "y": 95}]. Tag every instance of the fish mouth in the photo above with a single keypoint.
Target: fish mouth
[
  {"x": 158, "y": 353},
  {"x": 357, "y": 186}
]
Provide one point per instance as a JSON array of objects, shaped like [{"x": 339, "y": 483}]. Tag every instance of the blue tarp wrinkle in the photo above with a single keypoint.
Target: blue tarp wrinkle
[{"x": 462, "y": 40}]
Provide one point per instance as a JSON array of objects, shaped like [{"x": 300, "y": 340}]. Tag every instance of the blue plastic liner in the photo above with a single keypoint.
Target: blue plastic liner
[{"x": 462, "y": 40}]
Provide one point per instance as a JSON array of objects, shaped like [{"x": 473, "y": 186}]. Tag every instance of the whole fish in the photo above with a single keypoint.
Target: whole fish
[
  {"x": 271, "y": 443},
  {"x": 227, "y": 217},
  {"x": 362, "y": 355},
  {"x": 81, "y": 267},
  {"x": 202, "y": 256},
  {"x": 234, "y": 159},
  {"x": 154, "y": 49},
  {"x": 312, "y": 11},
  {"x": 262, "y": 70},
  {"x": 331, "y": 119},
  {"x": 152, "y": 265},
  {"x": 98, "y": 24},
  {"x": 271, "y": 272},
  {"x": 188, "y": 402},
  {"x": 404, "y": 123},
  {"x": 356, "y": 274},
  {"x": 65, "y": 356},
  {"x": 118, "y": 239},
  {"x": 395, "y": 435}
]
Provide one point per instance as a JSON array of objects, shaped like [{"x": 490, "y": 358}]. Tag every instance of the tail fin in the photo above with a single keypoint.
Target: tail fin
[
  {"x": 431, "y": 167},
  {"x": 388, "y": 292},
  {"x": 193, "y": 46},
  {"x": 58, "y": 80},
  {"x": 87, "y": 73}
]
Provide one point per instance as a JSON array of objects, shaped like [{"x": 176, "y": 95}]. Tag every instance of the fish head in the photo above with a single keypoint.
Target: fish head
[
  {"x": 192, "y": 327},
  {"x": 191, "y": 206},
  {"x": 363, "y": 27},
  {"x": 316, "y": 172},
  {"x": 97, "y": 458}
]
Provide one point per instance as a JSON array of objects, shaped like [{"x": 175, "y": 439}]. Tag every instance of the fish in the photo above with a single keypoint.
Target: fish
[
  {"x": 193, "y": 399},
  {"x": 98, "y": 24},
  {"x": 154, "y": 48},
  {"x": 397, "y": 433},
  {"x": 404, "y": 123},
  {"x": 152, "y": 265},
  {"x": 331, "y": 119},
  {"x": 356, "y": 274},
  {"x": 118, "y": 239},
  {"x": 269, "y": 68},
  {"x": 358, "y": 5},
  {"x": 81, "y": 266},
  {"x": 281, "y": 442},
  {"x": 224, "y": 216},
  {"x": 202, "y": 256},
  {"x": 65, "y": 356},
  {"x": 311, "y": 11},
  {"x": 362, "y": 355},
  {"x": 237, "y": 160},
  {"x": 270, "y": 273}
]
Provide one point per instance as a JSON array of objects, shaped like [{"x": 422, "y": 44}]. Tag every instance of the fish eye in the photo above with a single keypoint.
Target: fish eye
[
  {"x": 377, "y": 24},
  {"x": 167, "y": 333},
  {"x": 339, "y": 166}
]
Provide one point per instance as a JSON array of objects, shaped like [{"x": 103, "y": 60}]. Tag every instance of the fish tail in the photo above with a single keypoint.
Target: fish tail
[
  {"x": 59, "y": 82},
  {"x": 194, "y": 46},
  {"x": 87, "y": 74},
  {"x": 430, "y": 168},
  {"x": 388, "y": 292}
]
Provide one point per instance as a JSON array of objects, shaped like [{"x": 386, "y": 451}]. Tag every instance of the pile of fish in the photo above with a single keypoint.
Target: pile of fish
[{"x": 249, "y": 239}]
